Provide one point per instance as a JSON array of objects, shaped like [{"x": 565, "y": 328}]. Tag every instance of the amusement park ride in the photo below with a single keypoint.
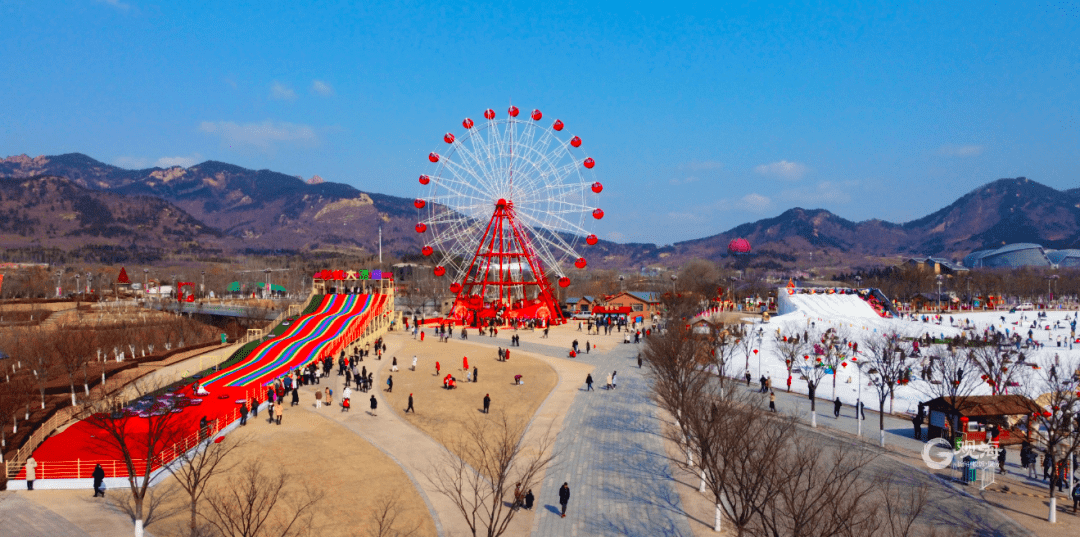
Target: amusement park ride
[{"x": 506, "y": 205}]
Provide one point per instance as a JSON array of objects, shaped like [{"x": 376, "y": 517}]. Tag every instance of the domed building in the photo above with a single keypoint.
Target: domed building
[
  {"x": 1021, "y": 254},
  {"x": 1064, "y": 258}
]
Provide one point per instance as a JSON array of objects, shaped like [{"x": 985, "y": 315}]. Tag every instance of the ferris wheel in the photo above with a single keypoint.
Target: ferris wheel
[{"x": 509, "y": 200}]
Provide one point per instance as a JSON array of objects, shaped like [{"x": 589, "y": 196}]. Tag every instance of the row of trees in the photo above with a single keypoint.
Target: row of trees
[
  {"x": 40, "y": 360},
  {"x": 765, "y": 477}
]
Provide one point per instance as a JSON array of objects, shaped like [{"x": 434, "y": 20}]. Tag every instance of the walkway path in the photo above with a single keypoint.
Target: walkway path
[{"x": 611, "y": 453}]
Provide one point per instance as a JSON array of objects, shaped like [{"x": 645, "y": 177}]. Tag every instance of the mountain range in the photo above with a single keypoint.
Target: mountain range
[{"x": 73, "y": 202}]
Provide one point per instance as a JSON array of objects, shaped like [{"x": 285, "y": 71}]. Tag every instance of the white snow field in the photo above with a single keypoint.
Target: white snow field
[{"x": 855, "y": 320}]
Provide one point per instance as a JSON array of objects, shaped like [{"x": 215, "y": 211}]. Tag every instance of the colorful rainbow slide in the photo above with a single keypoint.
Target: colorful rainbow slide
[{"x": 338, "y": 320}]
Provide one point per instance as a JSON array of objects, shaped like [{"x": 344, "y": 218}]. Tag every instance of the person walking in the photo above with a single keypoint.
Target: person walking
[
  {"x": 586, "y": 346},
  {"x": 837, "y": 405},
  {"x": 748, "y": 377},
  {"x": 374, "y": 406},
  {"x": 99, "y": 482},
  {"x": 295, "y": 395},
  {"x": 564, "y": 497},
  {"x": 279, "y": 410},
  {"x": 614, "y": 379},
  {"x": 475, "y": 372},
  {"x": 243, "y": 413},
  {"x": 772, "y": 401},
  {"x": 254, "y": 406},
  {"x": 861, "y": 405},
  {"x": 916, "y": 422},
  {"x": 639, "y": 360},
  {"x": 410, "y": 407},
  {"x": 609, "y": 381},
  {"x": 1075, "y": 496},
  {"x": 390, "y": 384},
  {"x": 487, "y": 402},
  {"x": 437, "y": 368},
  {"x": 588, "y": 382},
  {"x": 318, "y": 399},
  {"x": 529, "y": 499},
  {"x": 328, "y": 397},
  {"x": 31, "y": 472}
]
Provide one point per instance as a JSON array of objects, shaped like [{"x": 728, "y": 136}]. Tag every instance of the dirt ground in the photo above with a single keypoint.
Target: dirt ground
[
  {"x": 441, "y": 413},
  {"x": 322, "y": 453}
]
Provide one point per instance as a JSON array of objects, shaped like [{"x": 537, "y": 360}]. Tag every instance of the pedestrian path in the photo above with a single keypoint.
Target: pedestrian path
[{"x": 611, "y": 453}]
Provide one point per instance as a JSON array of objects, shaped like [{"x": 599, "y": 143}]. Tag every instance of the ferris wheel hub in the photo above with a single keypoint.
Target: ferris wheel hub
[{"x": 501, "y": 203}]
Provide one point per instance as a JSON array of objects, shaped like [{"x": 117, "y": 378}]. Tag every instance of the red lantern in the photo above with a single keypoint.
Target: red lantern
[
  {"x": 440, "y": 270},
  {"x": 597, "y": 187},
  {"x": 448, "y": 138},
  {"x": 843, "y": 364},
  {"x": 564, "y": 282},
  {"x": 468, "y": 123},
  {"x": 806, "y": 357},
  {"x": 419, "y": 203},
  {"x": 558, "y": 125},
  {"x": 591, "y": 240},
  {"x": 575, "y": 141},
  {"x": 598, "y": 213},
  {"x": 589, "y": 163},
  {"x": 455, "y": 288},
  {"x": 421, "y": 227},
  {"x": 580, "y": 263},
  {"x": 433, "y": 157},
  {"x": 489, "y": 114},
  {"x": 854, "y": 359},
  {"x": 513, "y": 111},
  {"x": 536, "y": 115},
  {"x": 427, "y": 250},
  {"x": 425, "y": 179},
  {"x": 755, "y": 351}
]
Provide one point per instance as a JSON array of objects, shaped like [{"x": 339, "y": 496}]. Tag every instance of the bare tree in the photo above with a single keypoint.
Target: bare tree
[
  {"x": 121, "y": 438},
  {"x": 156, "y": 505},
  {"x": 383, "y": 519},
  {"x": 500, "y": 457},
  {"x": 793, "y": 348},
  {"x": 200, "y": 462},
  {"x": 1057, "y": 386},
  {"x": 950, "y": 374},
  {"x": 256, "y": 504},
  {"x": 820, "y": 490},
  {"x": 995, "y": 366},
  {"x": 885, "y": 361}
]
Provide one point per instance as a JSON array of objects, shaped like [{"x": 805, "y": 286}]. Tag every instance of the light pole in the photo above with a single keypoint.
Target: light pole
[
  {"x": 858, "y": 281},
  {"x": 58, "y": 274},
  {"x": 89, "y": 282},
  {"x": 145, "y": 281},
  {"x": 621, "y": 280},
  {"x": 939, "y": 278},
  {"x": 78, "y": 289},
  {"x": 673, "y": 278},
  {"x": 202, "y": 284}
]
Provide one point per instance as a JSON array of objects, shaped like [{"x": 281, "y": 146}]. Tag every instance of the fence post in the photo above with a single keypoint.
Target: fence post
[{"x": 78, "y": 468}]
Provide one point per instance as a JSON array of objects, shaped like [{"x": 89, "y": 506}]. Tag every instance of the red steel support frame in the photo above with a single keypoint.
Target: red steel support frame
[{"x": 498, "y": 251}]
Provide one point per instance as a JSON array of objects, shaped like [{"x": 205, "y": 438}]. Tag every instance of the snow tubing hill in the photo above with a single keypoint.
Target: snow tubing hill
[
  {"x": 824, "y": 306},
  {"x": 338, "y": 320}
]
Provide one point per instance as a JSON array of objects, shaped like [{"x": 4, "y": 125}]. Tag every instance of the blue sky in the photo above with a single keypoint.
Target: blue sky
[{"x": 700, "y": 118}]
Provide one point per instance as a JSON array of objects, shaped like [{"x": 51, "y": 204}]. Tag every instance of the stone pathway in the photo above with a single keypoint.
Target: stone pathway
[
  {"x": 21, "y": 516},
  {"x": 611, "y": 453}
]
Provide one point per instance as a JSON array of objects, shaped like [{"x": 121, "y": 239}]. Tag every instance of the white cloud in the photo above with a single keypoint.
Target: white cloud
[
  {"x": 950, "y": 150},
  {"x": 783, "y": 169},
  {"x": 116, "y": 3},
  {"x": 756, "y": 203},
  {"x": 260, "y": 135},
  {"x": 683, "y": 181},
  {"x": 131, "y": 163},
  {"x": 321, "y": 88},
  {"x": 825, "y": 192},
  {"x": 281, "y": 92},
  {"x": 183, "y": 162}
]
